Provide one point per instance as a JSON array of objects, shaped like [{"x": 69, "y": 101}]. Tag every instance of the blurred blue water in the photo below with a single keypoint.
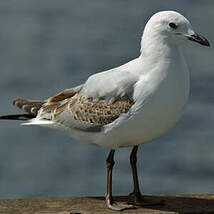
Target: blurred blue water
[{"x": 47, "y": 46}]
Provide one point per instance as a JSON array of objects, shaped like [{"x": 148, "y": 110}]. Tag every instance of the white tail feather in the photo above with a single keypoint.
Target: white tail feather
[{"x": 38, "y": 122}]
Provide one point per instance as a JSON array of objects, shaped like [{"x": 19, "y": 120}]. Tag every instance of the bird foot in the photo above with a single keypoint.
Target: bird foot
[
  {"x": 141, "y": 201},
  {"x": 119, "y": 206}
]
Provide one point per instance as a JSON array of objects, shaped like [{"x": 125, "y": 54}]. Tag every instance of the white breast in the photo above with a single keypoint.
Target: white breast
[
  {"x": 158, "y": 106},
  {"x": 160, "y": 95}
]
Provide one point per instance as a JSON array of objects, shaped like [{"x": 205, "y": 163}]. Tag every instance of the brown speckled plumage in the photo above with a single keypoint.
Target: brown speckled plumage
[
  {"x": 71, "y": 106},
  {"x": 30, "y": 106},
  {"x": 89, "y": 110}
]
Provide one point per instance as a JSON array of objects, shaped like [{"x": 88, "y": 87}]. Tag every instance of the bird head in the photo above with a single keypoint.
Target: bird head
[{"x": 171, "y": 28}]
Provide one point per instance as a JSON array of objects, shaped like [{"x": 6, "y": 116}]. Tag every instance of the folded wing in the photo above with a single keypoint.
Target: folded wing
[{"x": 84, "y": 113}]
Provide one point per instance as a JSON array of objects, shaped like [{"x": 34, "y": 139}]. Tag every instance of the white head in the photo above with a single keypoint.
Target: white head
[{"x": 169, "y": 28}]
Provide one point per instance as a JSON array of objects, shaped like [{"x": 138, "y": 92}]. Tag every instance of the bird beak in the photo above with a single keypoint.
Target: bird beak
[{"x": 199, "y": 39}]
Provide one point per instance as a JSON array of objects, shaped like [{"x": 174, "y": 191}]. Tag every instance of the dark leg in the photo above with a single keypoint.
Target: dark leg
[
  {"x": 109, "y": 164},
  {"x": 109, "y": 199},
  {"x": 133, "y": 161},
  {"x": 136, "y": 194}
]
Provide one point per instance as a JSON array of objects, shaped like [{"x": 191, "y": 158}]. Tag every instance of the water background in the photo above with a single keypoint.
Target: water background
[{"x": 49, "y": 45}]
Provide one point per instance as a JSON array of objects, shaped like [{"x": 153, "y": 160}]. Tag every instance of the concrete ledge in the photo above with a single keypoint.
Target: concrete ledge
[{"x": 182, "y": 204}]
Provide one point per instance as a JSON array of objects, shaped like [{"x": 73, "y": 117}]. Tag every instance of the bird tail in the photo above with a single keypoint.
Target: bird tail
[{"x": 31, "y": 107}]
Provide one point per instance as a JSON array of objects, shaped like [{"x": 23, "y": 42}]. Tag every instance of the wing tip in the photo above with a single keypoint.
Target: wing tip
[{"x": 16, "y": 117}]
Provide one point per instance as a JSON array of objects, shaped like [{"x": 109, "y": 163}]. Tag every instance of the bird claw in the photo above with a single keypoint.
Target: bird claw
[
  {"x": 119, "y": 206},
  {"x": 140, "y": 201}
]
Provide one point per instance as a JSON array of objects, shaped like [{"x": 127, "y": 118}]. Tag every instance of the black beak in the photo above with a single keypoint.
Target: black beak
[{"x": 199, "y": 39}]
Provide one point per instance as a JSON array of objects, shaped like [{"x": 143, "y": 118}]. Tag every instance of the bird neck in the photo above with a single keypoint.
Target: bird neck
[{"x": 158, "y": 47}]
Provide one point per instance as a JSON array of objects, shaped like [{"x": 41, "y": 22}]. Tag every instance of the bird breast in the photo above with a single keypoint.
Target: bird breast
[{"x": 160, "y": 98}]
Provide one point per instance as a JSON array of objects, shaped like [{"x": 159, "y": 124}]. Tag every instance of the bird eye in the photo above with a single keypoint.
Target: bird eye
[{"x": 173, "y": 25}]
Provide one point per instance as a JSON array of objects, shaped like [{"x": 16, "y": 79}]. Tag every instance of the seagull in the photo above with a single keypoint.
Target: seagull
[{"x": 125, "y": 106}]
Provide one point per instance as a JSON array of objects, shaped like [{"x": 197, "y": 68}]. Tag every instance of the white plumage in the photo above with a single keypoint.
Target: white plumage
[
  {"x": 129, "y": 105},
  {"x": 157, "y": 82}
]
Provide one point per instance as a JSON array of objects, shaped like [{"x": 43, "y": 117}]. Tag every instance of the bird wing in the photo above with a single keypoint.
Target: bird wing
[
  {"x": 100, "y": 101},
  {"x": 67, "y": 93},
  {"x": 84, "y": 113},
  {"x": 32, "y": 107},
  {"x": 114, "y": 83}
]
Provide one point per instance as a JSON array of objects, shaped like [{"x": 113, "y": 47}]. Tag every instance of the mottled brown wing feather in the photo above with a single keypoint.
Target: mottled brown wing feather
[
  {"x": 99, "y": 112},
  {"x": 30, "y": 106},
  {"x": 86, "y": 110},
  {"x": 67, "y": 93},
  {"x": 33, "y": 106}
]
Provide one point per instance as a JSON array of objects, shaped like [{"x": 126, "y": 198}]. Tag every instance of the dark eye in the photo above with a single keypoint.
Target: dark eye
[{"x": 173, "y": 25}]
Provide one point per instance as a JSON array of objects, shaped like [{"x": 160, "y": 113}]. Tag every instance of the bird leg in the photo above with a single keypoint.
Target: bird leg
[
  {"x": 109, "y": 199},
  {"x": 136, "y": 195},
  {"x": 133, "y": 161}
]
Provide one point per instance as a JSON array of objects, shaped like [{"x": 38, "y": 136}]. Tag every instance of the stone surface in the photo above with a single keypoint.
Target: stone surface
[{"x": 182, "y": 204}]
